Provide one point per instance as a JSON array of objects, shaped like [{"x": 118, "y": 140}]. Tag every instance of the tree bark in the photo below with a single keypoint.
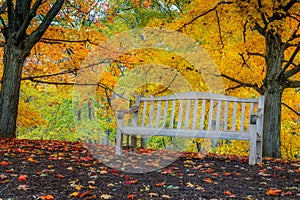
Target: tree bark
[
  {"x": 273, "y": 88},
  {"x": 14, "y": 57},
  {"x": 272, "y": 117}
]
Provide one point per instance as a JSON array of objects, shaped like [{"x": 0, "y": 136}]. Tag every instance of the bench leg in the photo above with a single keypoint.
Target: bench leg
[
  {"x": 259, "y": 150},
  {"x": 253, "y": 145},
  {"x": 119, "y": 141},
  {"x": 133, "y": 141},
  {"x": 144, "y": 142}
]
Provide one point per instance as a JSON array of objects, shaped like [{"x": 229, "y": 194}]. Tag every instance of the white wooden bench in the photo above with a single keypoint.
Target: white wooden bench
[{"x": 194, "y": 115}]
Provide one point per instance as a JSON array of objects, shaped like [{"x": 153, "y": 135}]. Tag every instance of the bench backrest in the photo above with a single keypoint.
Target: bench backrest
[{"x": 196, "y": 111}]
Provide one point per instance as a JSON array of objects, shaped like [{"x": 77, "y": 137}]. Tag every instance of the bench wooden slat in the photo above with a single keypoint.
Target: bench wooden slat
[
  {"x": 144, "y": 113},
  {"x": 242, "y": 117},
  {"x": 211, "y": 111},
  {"x": 180, "y": 114},
  {"x": 157, "y": 119},
  {"x": 202, "y": 115},
  {"x": 250, "y": 112},
  {"x": 233, "y": 124},
  {"x": 200, "y": 95},
  {"x": 172, "y": 114},
  {"x": 187, "y": 114},
  {"x": 165, "y": 114},
  {"x": 218, "y": 115},
  {"x": 151, "y": 113},
  {"x": 148, "y": 131},
  {"x": 226, "y": 115},
  {"x": 195, "y": 114}
]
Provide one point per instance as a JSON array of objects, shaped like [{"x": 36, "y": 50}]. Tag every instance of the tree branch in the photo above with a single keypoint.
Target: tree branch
[
  {"x": 289, "y": 5},
  {"x": 291, "y": 109},
  {"x": 11, "y": 20},
  {"x": 203, "y": 14},
  {"x": 60, "y": 41},
  {"x": 256, "y": 54},
  {"x": 293, "y": 84},
  {"x": 291, "y": 72},
  {"x": 29, "y": 16},
  {"x": 219, "y": 27},
  {"x": 243, "y": 84},
  {"x": 290, "y": 61},
  {"x": 262, "y": 14},
  {"x": 260, "y": 29},
  {"x": 166, "y": 88},
  {"x": 3, "y": 7},
  {"x": 36, "y": 35}
]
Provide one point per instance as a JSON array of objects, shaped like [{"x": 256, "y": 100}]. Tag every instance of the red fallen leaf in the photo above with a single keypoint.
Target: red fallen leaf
[
  {"x": 10, "y": 171},
  {"x": 238, "y": 174},
  {"x": 4, "y": 163},
  {"x": 287, "y": 193},
  {"x": 227, "y": 193},
  {"x": 114, "y": 171},
  {"x": 215, "y": 174},
  {"x": 80, "y": 195},
  {"x": 180, "y": 174},
  {"x": 227, "y": 174},
  {"x": 131, "y": 196},
  {"x": 22, "y": 177},
  {"x": 273, "y": 192},
  {"x": 160, "y": 184},
  {"x": 86, "y": 158},
  {"x": 130, "y": 182},
  {"x": 59, "y": 176},
  {"x": 47, "y": 197}
]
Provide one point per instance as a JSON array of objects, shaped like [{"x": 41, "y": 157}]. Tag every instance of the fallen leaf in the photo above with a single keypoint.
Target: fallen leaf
[
  {"x": 59, "y": 176},
  {"x": 4, "y": 181},
  {"x": 152, "y": 194},
  {"x": 23, "y": 187},
  {"x": 32, "y": 160},
  {"x": 22, "y": 177},
  {"x": 47, "y": 197},
  {"x": 227, "y": 193},
  {"x": 106, "y": 196},
  {"x": 160, "y": 184},
  {"x": 131, "y": 196},
  {"x": 165, "y": 196},
  {"x": 74, "y": 194},
  {"x": 3, "y": 176},
  {"x": 189, "y": 184},
  {"x": 4, "y": 163},
  {"x": 227, "y": 174},
  {"x": 84, "y": 193},
  {"x": 273, "y": 192}
]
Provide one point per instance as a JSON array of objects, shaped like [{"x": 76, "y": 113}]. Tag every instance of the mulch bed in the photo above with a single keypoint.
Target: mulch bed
[{"x": 31, "y": 169}]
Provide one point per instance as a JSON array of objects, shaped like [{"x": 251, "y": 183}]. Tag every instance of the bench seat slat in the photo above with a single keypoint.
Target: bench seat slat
[
  {"x": 148, "y": 131},
  {"x": 200, "y": 95}
]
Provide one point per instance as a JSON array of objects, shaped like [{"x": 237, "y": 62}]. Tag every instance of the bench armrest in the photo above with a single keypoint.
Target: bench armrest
[
  {"x": 133, "y": 109},
  {"x": 256, "y": 115}
]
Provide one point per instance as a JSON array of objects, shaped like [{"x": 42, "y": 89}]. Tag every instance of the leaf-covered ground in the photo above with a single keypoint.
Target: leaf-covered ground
[{"x": 63, "y": 170}]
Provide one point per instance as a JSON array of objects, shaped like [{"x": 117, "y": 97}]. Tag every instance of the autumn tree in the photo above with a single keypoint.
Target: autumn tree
[
  {"x": 16, "y": 17},
  {"x": 265, "y": 37}
]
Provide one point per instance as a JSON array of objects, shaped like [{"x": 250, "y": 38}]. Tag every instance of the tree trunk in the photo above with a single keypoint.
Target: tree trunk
[
  {"x": 272, "y": 117},
  {"x": 14, "y": 57},
  {"x": 273, "y": 88}
]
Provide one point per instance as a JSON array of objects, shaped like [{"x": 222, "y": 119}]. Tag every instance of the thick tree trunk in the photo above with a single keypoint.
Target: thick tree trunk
[
  {"x": 14, "y": 57},
  {"x": 273, "y": 88},
  {"x": 272, "y": 117}
]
